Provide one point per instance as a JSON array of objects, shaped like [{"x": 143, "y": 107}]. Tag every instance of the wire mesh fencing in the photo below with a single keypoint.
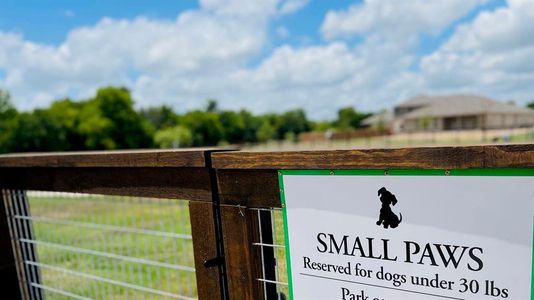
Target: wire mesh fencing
[
  {"x": 84, "y": 246},
  {"x": 273, "y": 253}
]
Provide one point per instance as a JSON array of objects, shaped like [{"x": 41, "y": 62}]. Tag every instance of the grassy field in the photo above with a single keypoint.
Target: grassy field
[
  {"x": 143, "y": 237},
  {"x": 416, "y": 139},
  {"x": 75, "y": 233}
]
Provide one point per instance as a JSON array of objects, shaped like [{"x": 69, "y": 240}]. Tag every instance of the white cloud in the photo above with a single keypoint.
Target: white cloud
[
  {"x": 291, "y": 6},
  {"x": 255, "y": 8},
  {"x": 209, "y": 52},
  {"x": 497, "y": 31},
  {"x": 318, "y": 78},
  {"x": 269, "y": 86},
  {"x": 291, "y": 68},
  {"x": 220, "y": 37},
  {"x": 395, "y": 19},
  {"x": 248, "y": 8},
  {"x": 492, "y": 55},
  {"x": 109, "y": 52},
  {"x": 391, "y": 32}
]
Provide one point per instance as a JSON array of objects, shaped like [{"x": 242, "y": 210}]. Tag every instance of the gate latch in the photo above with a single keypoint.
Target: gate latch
[{"x": 212, "y": 262}]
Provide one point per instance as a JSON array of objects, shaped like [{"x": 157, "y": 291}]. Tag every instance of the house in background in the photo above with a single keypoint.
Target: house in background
[{"x": 452, "y": 112}]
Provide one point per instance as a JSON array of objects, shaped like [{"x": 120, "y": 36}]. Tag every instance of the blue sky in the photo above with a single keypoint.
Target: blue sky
[
  {"x": 57, "y": 18},
  {"x": 50, "y": 21},
  {"x": 267, "y": 55}
]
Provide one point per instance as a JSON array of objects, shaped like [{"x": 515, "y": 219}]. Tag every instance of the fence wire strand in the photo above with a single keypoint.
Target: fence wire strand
[
  {"x": 279, "y": 250},
  {"x": 81, "y": 246}
]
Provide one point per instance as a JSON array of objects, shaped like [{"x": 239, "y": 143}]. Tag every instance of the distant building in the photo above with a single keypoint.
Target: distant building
[{"x": 453, "y": 112}]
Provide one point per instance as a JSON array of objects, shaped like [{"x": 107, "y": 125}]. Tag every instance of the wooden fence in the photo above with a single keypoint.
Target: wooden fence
[{"x": 228, "y": 191}]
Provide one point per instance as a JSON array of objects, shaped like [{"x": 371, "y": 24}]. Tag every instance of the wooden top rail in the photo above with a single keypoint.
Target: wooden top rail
[
  {"x": 244, "y": 178},
  {"x": 178, "y": 173},
  {"x": 494, "y": 156},
  {"x": 184, "y": 158},
  {"x": 251, "y": 179}
]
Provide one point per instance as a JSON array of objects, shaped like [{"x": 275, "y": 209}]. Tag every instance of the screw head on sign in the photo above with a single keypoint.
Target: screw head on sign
[
  {"x": 332, "y": 172},
  {"x": 386, "y": 172},
  {"x": 447, "y": 172}
]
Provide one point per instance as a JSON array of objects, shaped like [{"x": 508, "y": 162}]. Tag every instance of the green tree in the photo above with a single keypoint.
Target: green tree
[
  {"x": 294, "y": 121},
  {"x": 212, "y": 105},
  {"x": 531, "y": 105},
  {"x": 291, "y": 137},
  {"x": 109, "y": 121},
  {"x": 37, "y": 131},
  {"x": 5, "y": 103},
  {"x": 126, "y": 128},
  {"x": 266, "y": 132},
  {"x": 28, "y": 131},
  {"x": 206, "y": 127},
  {"x": 8, "y": 121},
  {"x": 348, "y": 118},
  {"x": 66, "y": 115},
  {"x": 252, "y": 124},
  {"x": 321, "y": 126},
  {"x": 95, "y": 128},
  {"x": 174, "y": 137},
  {"x": 233, "y": 125},
  {"x": 160, "y": 117}
]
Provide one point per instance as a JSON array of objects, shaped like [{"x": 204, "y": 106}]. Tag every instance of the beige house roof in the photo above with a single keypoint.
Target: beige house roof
[
  {"x": 385, "y": 116},
  {"x": 459, "y": 105},
  {"x": 418, "y": 101}
]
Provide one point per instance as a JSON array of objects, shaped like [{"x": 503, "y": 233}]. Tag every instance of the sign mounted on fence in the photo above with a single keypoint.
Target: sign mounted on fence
[{"x": 409, "y": 234}]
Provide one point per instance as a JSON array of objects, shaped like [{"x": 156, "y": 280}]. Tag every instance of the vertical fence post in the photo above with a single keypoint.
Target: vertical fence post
[
  {"x": 239, "y": 190},
  {"x": 25, "y": 232},
  {"x": 21, "y": 232},
  {"x": 243, "y": 261},
  {"x": 13, "y": 280},
  {"x": 204, "y": 245}
]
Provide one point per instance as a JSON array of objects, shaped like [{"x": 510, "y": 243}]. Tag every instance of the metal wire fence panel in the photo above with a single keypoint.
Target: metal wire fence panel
[
  {"x": 273, "y": 253},
  {"x": 81, "y": 246}
]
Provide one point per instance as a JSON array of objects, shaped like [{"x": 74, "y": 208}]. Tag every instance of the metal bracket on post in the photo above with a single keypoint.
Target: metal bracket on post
[{"x": 213, "y": 262}]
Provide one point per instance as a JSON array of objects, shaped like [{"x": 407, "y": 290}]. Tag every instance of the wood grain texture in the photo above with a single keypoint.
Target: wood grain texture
[
  {"x": 174, "y": 183},
  {"x": 243, "y": 262},
  {"x": 192, "y": 157},
  {"x": 494, "y": 156},
  {"x": 205, "y": 248},
  {"x": 250, "y": 188},
  {"x": 512, "y": 156}
]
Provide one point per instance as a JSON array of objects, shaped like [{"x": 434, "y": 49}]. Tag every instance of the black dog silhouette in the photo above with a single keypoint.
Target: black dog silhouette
[{"x": 387, "y": 217}]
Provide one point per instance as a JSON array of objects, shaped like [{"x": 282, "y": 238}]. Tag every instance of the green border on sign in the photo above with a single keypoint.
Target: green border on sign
[
  {"x": 286, "y": 233},
  {"x": 392, "y": 172}
]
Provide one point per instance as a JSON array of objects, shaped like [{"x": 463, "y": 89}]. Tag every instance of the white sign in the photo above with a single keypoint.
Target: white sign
[{"x": 409, "y": 235}]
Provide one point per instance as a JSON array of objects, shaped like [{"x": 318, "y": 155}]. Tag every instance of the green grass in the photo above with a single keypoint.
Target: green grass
[
  {"x": 159, "y": 215},
  {"x": 280, "y": 253},
  {"x": 149, "y": 214}
]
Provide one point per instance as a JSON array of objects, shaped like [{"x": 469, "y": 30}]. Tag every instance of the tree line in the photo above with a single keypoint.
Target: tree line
[{"x": 109, "y": 121}]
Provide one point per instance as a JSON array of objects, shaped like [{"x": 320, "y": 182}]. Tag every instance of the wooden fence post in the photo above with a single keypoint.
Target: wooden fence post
[
  {"x": 238, "y": 192},
  {"x": 12, "y": 275},
  {"x": 243, "y": 260},
  {"x": 205, "y": 249}
]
